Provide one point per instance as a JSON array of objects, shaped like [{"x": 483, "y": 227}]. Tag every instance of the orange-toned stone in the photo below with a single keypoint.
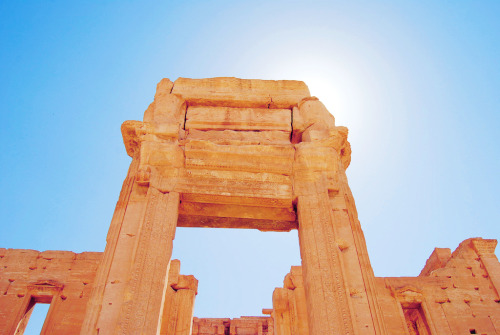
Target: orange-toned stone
[
  {"x": 246, "y": 325},
  {"x": 289, "y": 311},
  {"x": 235, "y": 92},
  {"x": 252, "y": 154},
  {"x": 178, "y": 306},
  {"x": 62, "y": 279}
]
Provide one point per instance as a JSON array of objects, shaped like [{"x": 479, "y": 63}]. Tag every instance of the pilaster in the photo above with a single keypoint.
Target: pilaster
[
  {"x": 141, "y": 309},
  {"x": 116, "y": 230},
  {"x": 326, "y": 292}
]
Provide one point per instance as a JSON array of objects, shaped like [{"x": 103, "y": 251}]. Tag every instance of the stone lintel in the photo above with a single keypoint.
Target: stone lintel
[
  {"x": 235, "y": 92},
  {"x": 229, "y": 222}
]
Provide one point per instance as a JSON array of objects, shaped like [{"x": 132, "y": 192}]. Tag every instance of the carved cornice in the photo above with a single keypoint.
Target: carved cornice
[
  {"x": 44, "y": 286},
  {"x": 484, "y": 246}
]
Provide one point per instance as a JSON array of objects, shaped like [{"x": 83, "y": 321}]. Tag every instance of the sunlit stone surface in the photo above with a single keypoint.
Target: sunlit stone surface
[{"x": 253, "y": 154}]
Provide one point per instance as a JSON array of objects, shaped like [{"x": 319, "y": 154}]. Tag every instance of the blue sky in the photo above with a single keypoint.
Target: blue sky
[{"x": 417, "y": 84}]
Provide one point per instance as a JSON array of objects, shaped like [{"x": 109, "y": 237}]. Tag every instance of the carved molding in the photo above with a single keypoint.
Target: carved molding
[{"x": 484, "y": 246}]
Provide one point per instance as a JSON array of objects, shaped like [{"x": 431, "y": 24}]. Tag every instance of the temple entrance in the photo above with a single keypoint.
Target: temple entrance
[
  {"x": 237, "y": 269},
  {"x": 232, "y": 153}
]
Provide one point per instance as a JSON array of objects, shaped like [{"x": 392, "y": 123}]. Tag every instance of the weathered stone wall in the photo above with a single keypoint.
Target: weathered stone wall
[
  {"x": 455, "y": 294},
  {"x": 62, "y": 279},
  {"x": 246, "y": 325}
]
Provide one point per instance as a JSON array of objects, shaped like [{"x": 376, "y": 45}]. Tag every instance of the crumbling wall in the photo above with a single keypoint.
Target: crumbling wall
[{"x": 456, "y": 293}]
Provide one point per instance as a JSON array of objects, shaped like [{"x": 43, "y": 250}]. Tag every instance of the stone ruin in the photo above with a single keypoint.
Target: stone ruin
[{"x": 253, "y": 154}]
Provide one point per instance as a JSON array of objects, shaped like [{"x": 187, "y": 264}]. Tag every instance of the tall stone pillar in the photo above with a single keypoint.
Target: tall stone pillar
[
  {"x": 141, "y": 308},
  {"x": 129, "y": 296},
  {"x": 116, "y": 257},
  {"x": 179, "y": 302},
  {"x": 357, "y": 262},
  {"x": 289, "y": 305},
  {"x": 132, "y": 279},
  {"x": 326, "y": 291},
  {"x": 338, "y": 279}
]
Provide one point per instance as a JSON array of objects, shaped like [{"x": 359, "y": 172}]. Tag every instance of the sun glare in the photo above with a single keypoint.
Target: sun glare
[{"x": 336, "y": 83}]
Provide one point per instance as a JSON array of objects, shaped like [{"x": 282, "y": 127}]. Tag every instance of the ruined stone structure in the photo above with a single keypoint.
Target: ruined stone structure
[{"x": 254, "y": 154}]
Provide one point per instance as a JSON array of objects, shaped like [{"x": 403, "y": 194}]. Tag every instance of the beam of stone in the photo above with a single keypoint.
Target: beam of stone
[{"x": 235, "y": 92}]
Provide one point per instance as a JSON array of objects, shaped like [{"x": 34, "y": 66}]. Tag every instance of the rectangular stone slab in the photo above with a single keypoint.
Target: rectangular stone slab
[
  {"x": 250, "y": 158},
  {"x": 226, "y": 222},
  {"x": 240, "y": 137},
  {"x": 238, "y": 211},
  {"x": 234, "y": 92},
  {"x": 227, "y": 118}
]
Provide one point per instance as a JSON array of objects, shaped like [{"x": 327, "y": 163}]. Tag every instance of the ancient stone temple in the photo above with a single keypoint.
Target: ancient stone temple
[{"x": 251, "y": 154}]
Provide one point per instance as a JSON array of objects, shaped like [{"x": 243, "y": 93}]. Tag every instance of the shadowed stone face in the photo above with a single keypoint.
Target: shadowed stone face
[{"x": 253, "y": 154}]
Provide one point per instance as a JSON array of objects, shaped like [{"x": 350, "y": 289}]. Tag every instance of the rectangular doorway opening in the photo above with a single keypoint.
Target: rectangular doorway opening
[
  {"x": 34, "y": 318},
  {"x": 237, "y": 269},
  {"x": 415, "y": 320}
]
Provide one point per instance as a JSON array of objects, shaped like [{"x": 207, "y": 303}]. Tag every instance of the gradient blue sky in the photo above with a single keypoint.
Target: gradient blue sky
[{"x": 417, "y": 84}]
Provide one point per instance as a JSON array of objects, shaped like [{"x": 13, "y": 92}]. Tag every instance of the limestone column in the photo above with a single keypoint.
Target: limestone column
[
  {"x": 333, "y": 249},
  {"x": 185, "y": 298},
  {"x": 357, "y": 262},
  {"x": 326, "y": 292},
  {"x": 178, "y": 307},
  {"x": 143, "y": 297},
  {"x": 170, "y": 304},
  {"x": 289, "y": 305},
  {"x": 132, "y": 283},
  {"x": 281, "y": 309},
  {"x": 122, "y": 223},
  {"x": 294, "y": 282}
]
